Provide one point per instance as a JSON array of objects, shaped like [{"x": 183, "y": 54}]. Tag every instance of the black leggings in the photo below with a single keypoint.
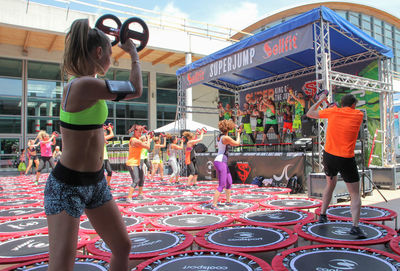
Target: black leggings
[
  {"x": 45, "y": 159},
  {"x": 136, "y": 175},
  {"x": 107, "y": 167},
  {"x": 147, "y": 163}
]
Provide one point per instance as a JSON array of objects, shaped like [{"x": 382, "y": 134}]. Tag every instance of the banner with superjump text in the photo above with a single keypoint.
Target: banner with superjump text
[{"x": 280, "y": 46}]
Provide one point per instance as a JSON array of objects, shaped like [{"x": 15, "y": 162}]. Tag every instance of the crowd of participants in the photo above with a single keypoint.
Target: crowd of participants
[{"x": 261, "y": 114}]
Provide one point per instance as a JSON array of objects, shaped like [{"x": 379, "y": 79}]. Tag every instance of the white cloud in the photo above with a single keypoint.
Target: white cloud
[
  {"x": 238, "y": 17},
  {"x": 171, "y": 14}
]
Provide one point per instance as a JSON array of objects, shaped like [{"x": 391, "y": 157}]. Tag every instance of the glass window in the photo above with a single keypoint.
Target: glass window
[
  {"x": 10, "y": 106},
  {"x": 10, "y": 67},
  {"x": 9, "y": 152},
  {"x": 342, "y": 13},
  {"x": 165, "y": 114},
  {"x": 166, "y": 89},
  {"x": 166, "y": 81},
  {"x": 354, "y": 18},
  {"x": 365, "y": 25},
  {"x": 379, "y": 38},
  {"x": 48, "y": 124},
  {"x": 44, "y": 89},
  {"x": 131, "y": 110},
  {"x": 10, "y": 125},
  {"x": 10, "y": 87},
  {"x": 40, "y": 70},
  {"x": 167, "y": 96}
]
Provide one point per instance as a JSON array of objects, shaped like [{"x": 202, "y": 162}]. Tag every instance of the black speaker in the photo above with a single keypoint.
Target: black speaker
[
  {"x": 363, "y": 133},
  {"x": 308, "y": 126}
]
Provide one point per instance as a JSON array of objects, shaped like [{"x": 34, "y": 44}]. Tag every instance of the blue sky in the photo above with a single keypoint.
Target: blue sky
[{"x": 231, "y": 13}]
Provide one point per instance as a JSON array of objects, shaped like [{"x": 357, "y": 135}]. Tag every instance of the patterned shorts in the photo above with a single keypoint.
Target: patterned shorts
[{"x": 74, "y": 199}]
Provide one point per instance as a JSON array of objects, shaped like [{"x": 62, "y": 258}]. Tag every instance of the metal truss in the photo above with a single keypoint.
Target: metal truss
[
  {"x": 387, "y": 114},
  {"x": 181, "y": 108},
  {"x": 325, "y": 78},
  {"x": 322, "y": 68},
  {"x": 357, "y": 82}
]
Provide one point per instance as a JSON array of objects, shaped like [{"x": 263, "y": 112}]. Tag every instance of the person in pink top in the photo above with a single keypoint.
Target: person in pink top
[{"x": 46, "y": 153}]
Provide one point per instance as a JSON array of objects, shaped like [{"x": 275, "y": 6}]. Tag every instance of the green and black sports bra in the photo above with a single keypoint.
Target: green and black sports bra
[{"x": 87, "y": 119}]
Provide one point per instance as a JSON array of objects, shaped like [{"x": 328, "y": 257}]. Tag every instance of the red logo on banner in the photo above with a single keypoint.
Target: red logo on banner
[
  {"x": 195, "y": 77},
  {"x": 310, "y": 88},
  {"x": 280, "y": 46},
  {"x": 243, "y": 170}
]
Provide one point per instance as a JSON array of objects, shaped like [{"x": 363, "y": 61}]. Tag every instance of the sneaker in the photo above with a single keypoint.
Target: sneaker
[
  {"x": 212, "y": 207},
  {"x": 139, "y": 197},
  {"x": 229, "y": 204},
  {"x": 129, "y": 200},
  {"x": 323, "y": 219},
  {"x": 356, "y": 231}
]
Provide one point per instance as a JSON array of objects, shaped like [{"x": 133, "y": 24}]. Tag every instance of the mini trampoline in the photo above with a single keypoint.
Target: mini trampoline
[
  {"x": 29, "y": 247},
  {"x": 156, "y": 209},
  {"x": 266, "y": 217},
  {"x": 147, "y": 243},
  {"x": 21, "y": 203},
  {"x": 367, "y": 213},
  {"x": 168, "y": 194},
  {"x": 395, "y": 245},
  {"x": 189, "y": 199},
  {"x": 82, "y": 263},
  {"x": 271, "y": 190},
  {"x": 337, "y": 232},
  {"x": 252, "y": 197},
  {"x": 246, "y": 238},
  {"x": 205, "y": 260},
  {"x": 335, "y": 257},
  {"x": 20, "y": 213},
  {"x": 23, "y": 226},
  {"x": 191, "y": 221},
  {"x": 292, "y": 203},
  {"x": 131, "y": 222},
  {"x": 236, "y": 207}
]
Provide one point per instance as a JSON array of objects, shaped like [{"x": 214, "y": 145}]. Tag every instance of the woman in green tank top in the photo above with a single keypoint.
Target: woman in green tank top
[{"x": 270, "y": 120}]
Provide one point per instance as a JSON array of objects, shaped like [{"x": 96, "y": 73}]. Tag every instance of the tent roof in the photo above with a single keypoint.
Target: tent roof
[
  {"x": 345, "y": 40},
  {"x": 190, "y": 125}
]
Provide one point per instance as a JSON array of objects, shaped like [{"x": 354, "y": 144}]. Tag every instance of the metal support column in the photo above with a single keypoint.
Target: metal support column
[{"x": 322, "y": 70}]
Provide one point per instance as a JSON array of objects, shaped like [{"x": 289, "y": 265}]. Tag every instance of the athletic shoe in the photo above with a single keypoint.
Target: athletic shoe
[
  {"x": 323, "y": 219},
  {"x": 357, "y": 232},
  {"x": 212, "y": 207},
  {"x": 229, "y": 204},
  {"x": 128, "y": 200}
]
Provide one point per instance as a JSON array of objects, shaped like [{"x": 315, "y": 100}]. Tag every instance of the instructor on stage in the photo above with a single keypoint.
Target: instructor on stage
[{"x": 338, "y": 157}]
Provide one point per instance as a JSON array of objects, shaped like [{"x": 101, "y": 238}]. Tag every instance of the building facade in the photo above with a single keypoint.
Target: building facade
[
  {"x": 31, "y": 46},
  {"x": 382, "y": 26}
]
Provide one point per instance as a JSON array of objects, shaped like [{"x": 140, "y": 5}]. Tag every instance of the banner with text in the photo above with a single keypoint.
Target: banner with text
[{"x": 280, "y": 46}]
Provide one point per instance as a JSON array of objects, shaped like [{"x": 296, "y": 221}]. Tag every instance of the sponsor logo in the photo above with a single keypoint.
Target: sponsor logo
[
  {"x": 205, "y": 267},
  {"x": 195, "y": 77},
  {"x": 276, "y": 216},
  {"x": 310, "y": 88},
  {"x": 244, "y": 236},
  {"x": 142, "y": 242},
  {"x": 340, "y": 231},
  {"x": 339, "y": 265},
  {"x": 30, "y": 244},
  {"x": 243, "y": 170},
  {"x": 284, "y": 174},
  {"x": 192, "y": 220},
  {"x": 285, "y": 44}
]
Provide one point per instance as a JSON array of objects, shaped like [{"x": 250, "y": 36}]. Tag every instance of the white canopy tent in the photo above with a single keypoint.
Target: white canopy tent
[{"x": 191, "y": 125}]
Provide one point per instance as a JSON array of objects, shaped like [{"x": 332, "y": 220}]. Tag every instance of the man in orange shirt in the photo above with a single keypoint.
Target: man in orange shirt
[{"x": 341, "y": 136}]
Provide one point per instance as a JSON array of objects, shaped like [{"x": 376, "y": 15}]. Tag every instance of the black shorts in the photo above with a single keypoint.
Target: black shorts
[
  {"x": 275, "y": 126},
  {"x": 347, "y": 167}
]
